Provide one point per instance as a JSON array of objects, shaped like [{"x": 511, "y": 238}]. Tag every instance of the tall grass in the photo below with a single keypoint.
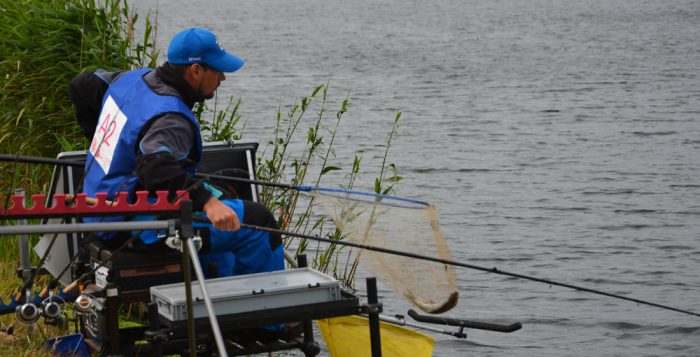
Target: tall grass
[
  {"x": 308, "y": 125},
  {"x": 43, "y": 45}
]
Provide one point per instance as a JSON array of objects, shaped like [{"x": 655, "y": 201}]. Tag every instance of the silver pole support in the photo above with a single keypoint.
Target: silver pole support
[
  {"x": 210, "y": 309},
  {"x": 87, "y": 227},
  {"x": 25, "y": 263}
]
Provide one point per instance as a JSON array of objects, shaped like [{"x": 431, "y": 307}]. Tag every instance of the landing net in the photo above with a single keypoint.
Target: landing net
[{"x": 398, "y": 224}]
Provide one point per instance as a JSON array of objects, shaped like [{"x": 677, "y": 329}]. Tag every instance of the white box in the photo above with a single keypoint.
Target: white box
[{"x": 246, "y": 293}]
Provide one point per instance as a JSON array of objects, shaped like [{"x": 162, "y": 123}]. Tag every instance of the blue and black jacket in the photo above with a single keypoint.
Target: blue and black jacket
[{"x": 129, "y": 106}]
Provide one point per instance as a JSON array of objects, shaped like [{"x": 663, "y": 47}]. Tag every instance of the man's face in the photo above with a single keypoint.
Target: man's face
[
  {"x": 210, "y": 81},
  {"x": 204, "y": 79}
]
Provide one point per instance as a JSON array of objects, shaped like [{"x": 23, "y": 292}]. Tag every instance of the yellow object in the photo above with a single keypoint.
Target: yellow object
[{"x": 349, "y": 336}]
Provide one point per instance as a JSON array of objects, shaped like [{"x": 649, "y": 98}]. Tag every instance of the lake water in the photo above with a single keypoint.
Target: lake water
[{"x": 559, "y": 139}]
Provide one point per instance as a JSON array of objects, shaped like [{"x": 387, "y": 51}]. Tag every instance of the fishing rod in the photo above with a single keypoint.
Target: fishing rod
[
  {"x": 39, "y": 160},
  {"x": 400, "y": 320},
  {"x": 305, "y": 188},
  {"x": 493, "y": 270},
  {"x": 59, "y": 162}
]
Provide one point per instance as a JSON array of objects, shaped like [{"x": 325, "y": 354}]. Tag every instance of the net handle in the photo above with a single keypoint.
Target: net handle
[{"x": 365, "y": 194}]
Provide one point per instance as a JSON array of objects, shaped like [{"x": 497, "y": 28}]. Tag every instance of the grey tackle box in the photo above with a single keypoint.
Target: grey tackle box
[{"x": 246, "y": 293}]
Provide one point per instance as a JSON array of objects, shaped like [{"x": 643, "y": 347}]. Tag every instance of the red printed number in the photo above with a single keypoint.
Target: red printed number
[{"x": 107, "y": 129}]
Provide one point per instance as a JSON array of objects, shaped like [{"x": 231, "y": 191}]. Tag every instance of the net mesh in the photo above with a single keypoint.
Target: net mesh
[{"x": 397, "y": 224}]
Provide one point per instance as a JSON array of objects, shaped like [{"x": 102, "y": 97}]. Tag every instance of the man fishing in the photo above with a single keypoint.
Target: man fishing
[{"x": 147, "y": 138}]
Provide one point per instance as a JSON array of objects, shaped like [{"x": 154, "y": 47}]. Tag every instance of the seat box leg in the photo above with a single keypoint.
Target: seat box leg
[{"x": 112, "y": 318}]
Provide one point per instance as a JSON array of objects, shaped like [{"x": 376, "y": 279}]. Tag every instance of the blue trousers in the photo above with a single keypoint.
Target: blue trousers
[{"x": 245, "y": 251}]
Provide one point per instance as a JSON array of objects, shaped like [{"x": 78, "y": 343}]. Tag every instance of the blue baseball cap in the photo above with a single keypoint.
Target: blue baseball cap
[{"x": 197, "y": 45}]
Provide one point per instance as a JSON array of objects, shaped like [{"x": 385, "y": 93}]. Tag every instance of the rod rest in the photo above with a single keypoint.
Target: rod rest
[
  {"x": 83, "y": 205},
  {"x": 465, "y": 323}
]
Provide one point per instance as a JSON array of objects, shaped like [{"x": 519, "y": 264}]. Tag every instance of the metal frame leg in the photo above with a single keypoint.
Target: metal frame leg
[
  {"x": 190, "y": 251},
  {"x": 374, "y": 309}
]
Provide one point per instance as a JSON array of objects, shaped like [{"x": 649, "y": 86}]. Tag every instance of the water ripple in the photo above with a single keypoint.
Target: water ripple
[{"x": 653, "y": 133}]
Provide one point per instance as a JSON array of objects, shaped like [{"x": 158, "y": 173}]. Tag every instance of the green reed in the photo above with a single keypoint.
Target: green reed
[
  {"x": 43, "y": 45},
  {"x": 309, "y": 129}
]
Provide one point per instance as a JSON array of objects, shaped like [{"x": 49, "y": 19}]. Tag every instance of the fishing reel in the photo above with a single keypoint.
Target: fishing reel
[
  {"x": 84, "y": 304},
  {"x": 87, "y": 308},
  {"x": 51, "y": 311},
  {"x": 28, "y": 314}
]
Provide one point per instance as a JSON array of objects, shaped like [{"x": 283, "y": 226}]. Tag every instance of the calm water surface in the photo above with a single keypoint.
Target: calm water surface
[{"x": 559, "y": 139}]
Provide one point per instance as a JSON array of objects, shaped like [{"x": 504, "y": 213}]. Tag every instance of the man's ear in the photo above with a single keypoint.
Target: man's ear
[
  {"x": 197, "y": 68},
  {"x": 193, "y": 74},
  {"x": 194, "y": 70}
]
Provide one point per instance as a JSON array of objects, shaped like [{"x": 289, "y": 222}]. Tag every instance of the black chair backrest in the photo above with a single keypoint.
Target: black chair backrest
[{"x": 224, "y": 158}]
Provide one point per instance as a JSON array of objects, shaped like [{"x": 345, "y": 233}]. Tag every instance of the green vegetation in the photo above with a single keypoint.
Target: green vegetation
[
  {"x": 43, "y": 44},
  {"x": 310, "y": 166}
]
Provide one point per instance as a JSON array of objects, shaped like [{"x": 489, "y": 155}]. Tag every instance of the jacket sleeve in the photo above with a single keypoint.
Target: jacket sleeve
[
  {"x": 164, "y": 152},
  {"x": 161, "y": 171}
]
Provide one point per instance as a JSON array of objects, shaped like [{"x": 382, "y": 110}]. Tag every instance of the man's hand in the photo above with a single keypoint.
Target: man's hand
[{"x": 221, "y": 215}]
